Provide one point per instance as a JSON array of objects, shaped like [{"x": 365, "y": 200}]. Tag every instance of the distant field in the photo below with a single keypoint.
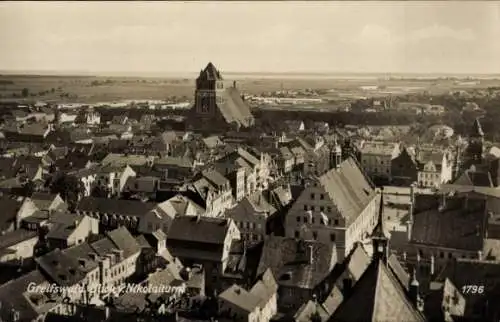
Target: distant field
[{"x": 103, "y": 89}]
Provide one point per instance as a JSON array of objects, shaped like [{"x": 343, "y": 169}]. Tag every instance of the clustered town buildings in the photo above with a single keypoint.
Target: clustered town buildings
[{"x": 284, "y": 226}]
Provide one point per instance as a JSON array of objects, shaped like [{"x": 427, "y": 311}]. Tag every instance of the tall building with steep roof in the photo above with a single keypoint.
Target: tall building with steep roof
[
  {"x": 475, "y": 148},
  {"x": 218, "y": 106}
]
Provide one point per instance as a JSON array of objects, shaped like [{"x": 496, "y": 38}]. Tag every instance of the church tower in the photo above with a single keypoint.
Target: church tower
[
  {"x": 380, "y": 240},
  {"x": 335, "y": 154},
  {"x": 475, "y": 148},
  {"x": 209, "y": 90}
]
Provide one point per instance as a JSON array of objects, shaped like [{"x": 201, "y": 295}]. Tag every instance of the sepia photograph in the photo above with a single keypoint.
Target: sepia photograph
[{"x": 250, "y": 161}]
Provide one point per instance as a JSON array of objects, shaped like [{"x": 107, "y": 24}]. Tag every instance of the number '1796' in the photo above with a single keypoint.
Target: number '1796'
[{"x": 473, "y": 289}]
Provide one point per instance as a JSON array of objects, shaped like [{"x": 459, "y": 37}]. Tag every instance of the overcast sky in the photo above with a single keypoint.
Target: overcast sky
[{"x": 406, "y": 37}]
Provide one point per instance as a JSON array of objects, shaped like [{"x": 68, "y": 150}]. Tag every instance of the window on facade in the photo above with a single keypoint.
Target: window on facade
[
  {"x": 329, "y": 209},
  {"x": 312, "y": 195},
  {"x": 315, "y": 235},
  {"x": 321, "y": 208},
  {"x": 441, "y": 254},
  {"x": 312, "y": 208},
  {"x": 336, "y": 222},
  {"x": 332, "y": 237},
  {"x": 297, "y": 234},
  {"x": 381, "y": 162},
  {"x": 450, "y": 255},
  {"x": 312, "y": 220},
  {"x": 298, "y": 218},
  {"x": 322, "y": 196},
  {"x": 305, "y": 207}
]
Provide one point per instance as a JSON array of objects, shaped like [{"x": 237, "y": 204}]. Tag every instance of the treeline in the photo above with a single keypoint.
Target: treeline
[
  {"x": 338, "y": 118},
  {"x": 270, "y": 120},
  {"x": 107, "y": 113}
]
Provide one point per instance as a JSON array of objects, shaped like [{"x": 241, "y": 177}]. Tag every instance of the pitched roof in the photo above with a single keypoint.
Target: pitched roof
[
  {"x": 234, "y": 108},
  {"x": 115, "y": 206},
  {"x": 62, "y": 269},
  {"x": 475, "y": 178},
  {"x": 357, "y": 262},
  {"x": 43, "y": 201},
  {"x": 426, "y": 155},
  {"x": 16, "y": 236},
  {"x": 180, "y": 205},
  {"x": 214, "y": 177},
  {"x": 122, "y": 159},
  {"x": 454, "y": 227},
  {"x": 13, "y": 297},
  {"x": 10, "y": 206},
  {"x": 82, "y": 253},
  {"x": 123, "y": 240},
  {"x": 198, "y": 229},
  {"x": 241, "y": 298},
  {"x": 377, "y": 296},
  {"x": 348, "y": 188},
  {"x": 250, "y": 158},
  {"x": 181, "y": 162},
  {"x": 250, "y": 206},
  {"x": 63, "y": 225},
  {"x": 378, "y": 148},
  {"x": 289, "y": 262}
]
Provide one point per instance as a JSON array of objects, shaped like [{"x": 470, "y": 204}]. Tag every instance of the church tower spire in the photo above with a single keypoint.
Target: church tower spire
[
  {"x": 380, "y": 240},
  {"x": 475, "y": 146}
]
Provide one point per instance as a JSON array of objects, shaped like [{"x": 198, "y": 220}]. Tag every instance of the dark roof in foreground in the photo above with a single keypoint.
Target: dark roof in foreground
[{"x": 377, "y": 296}]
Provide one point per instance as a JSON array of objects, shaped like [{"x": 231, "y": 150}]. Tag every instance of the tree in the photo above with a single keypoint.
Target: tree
[
  {"x": 25, "y": 92},
  {"x": 100, "y": 192},
  {"x": 69, "y": 187},
  {"x": 28, "y": 189}
]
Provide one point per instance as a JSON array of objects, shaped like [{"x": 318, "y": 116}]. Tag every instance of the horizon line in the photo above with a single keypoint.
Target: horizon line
[{"x": 147, "y": 74}]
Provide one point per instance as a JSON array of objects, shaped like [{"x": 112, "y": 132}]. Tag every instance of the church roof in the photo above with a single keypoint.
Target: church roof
[
  {"x": 234, "y": 108},
  {"x": 377, "y": 296}
]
